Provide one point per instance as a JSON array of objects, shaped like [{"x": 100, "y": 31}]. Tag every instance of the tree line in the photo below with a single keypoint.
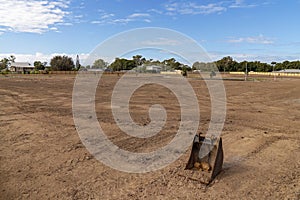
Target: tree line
[{"x": 226, "y": 64}]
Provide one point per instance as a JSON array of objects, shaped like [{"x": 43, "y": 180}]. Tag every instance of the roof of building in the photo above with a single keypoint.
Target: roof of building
[
  {"x": 153, "y": 67},
  {"x": 21, "y": 65},
  {"x": 290, "y": 70}
]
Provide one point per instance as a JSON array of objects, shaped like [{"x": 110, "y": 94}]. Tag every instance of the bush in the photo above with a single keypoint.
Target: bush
[{"x": 4, "y": 71}]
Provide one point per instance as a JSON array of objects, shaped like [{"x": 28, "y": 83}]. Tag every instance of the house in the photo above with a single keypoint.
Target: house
[
  {"x": 153, "y": 69},
  {"x": 21, "y": 67}
]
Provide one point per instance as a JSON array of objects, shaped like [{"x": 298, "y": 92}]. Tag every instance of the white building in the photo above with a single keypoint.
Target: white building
[
  {"x": 289, "y": 71},
  {"x": 21, "y": 67},
  {"x": 153, "y": 68}
]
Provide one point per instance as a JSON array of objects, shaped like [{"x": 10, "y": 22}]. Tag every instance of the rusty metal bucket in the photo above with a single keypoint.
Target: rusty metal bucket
[{"x": 206, "y": 158}]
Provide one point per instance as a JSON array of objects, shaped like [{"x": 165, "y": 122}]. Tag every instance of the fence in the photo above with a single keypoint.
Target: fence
[{"x": 278, "y": 74}]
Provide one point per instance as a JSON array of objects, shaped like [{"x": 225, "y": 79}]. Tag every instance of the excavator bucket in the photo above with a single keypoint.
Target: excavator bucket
[{"x": 206, "y": 158}]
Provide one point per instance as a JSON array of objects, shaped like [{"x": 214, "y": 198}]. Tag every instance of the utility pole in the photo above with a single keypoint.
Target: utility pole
[
  {"x": 273, "y": 65},
  {"x": 246, "y": 73},
  {"x": 274, "y": 74}
]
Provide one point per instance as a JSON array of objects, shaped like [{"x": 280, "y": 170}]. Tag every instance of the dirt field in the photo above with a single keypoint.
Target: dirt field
[{"x": 42, "y": 157}]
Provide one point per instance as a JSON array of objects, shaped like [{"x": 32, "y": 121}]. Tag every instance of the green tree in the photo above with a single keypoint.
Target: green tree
[
  {"x": 99, "y": 64},
  {"x": 122, "y": 64},
  {"x": 172, "y": 64},
  {"x": 38, "y": 65},
  {"x": 185, "y": 69},
  {"x": 138, "y": 59},
  {"x": 12, "y": 58},
  {"x": 77, "y": 65},
  {"x": 204, "y": 67},
  {"x": 273, "y": 65},
  {"x": 291, "y": 65},
  {"x": 226, "y": 64},
  {"x": 4, "y": 63},
  {"x": 62, "y": 63}
]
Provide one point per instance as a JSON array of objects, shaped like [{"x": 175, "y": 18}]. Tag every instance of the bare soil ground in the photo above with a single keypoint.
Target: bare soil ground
[{"x": 42, "y": 157}]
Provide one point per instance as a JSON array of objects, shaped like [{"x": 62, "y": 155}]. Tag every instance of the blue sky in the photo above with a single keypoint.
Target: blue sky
[{"x": 265, "y": 30}]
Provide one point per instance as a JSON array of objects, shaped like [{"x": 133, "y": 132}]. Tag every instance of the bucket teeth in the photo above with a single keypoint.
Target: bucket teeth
[
  {"x": 204, "y": 166},
  {"x": 206, "y": 157}
]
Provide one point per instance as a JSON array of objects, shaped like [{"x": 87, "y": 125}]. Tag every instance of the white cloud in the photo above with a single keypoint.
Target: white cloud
[
  {"x": 78, "y": 16},
  {"x": 105, "y": 16},
  {"x": 65, "y": 24},
  {"x": 110, "y": 18},
  {"x": 155, "y": 11},
  {"x": 31, "y": 16},
  {"x": 137, "y": 15},
  {"x": 253, "y": 40},
  {"x": 173, "y": 8},
  {"x": 191, "y": 8},
  {"x": 241, "y": 4},
  {"x": 81, "y": 5}
]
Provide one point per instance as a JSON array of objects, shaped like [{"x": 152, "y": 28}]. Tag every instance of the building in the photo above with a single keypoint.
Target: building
[
  {"x": 153, "y": 69},
  {"x": 289, "y": 71},
  {"x": 174, "y": 72},
  {"x": 21, "y": 67}
]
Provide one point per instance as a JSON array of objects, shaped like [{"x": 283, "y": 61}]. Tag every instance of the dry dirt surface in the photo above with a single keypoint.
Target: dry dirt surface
[{"x": 42, "y": 156}]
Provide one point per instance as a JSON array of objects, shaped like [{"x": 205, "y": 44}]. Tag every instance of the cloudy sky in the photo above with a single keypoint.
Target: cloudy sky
[{"x": 265, "y": 30}]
